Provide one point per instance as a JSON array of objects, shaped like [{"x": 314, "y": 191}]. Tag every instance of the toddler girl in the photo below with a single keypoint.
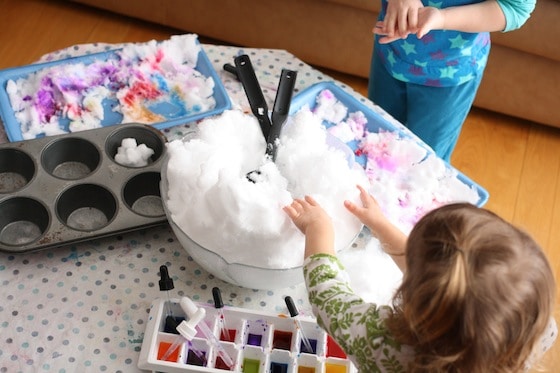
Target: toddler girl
[{"x": 477, "y": 293}]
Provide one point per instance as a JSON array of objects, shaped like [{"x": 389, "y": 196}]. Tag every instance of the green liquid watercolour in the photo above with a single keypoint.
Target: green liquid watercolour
[{"x": 251, "y": 366}]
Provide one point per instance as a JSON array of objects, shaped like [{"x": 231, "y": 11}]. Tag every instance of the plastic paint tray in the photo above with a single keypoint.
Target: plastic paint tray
[
  {"x": 13, "y": 127},
  {"x": 68, "y": 188},
  {"x": 256, "y": 342},
  {"x": 375, "y": 123}
]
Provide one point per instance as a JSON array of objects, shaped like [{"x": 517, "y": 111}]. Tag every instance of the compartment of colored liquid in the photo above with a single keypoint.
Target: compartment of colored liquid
[
  {"x": 196, "y": 352},
  {"x": 196, "y": 358},
  {"x": 278, "y": 367},
  {"x": 308, "y": 364},
  {"x": 304, "y": 348},
  {"x": 219, "y": 363},
  {"x": 282, "y": 340},
  {"x": 228, "y": 335},
  {"x": 333, "y": 349},
  {"x": 283, "y": 334},
  {"x": 166, "y": 341},
  {"x": 315, "y": 336},
  {"x": 253, "y": 360},
  {"x": 335, "y": 368},
  {"x": 302, "y": 369},
  {"x": 280, "y": 361},
  {"x": 251, "y": 366},
  {"x": 257, "y": 332},
  {"x": 162, "y": 350},
  {"x": 230, "y": 326}
]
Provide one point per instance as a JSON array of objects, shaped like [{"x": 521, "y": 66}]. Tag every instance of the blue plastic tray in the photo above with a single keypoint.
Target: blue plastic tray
[
  {"x": 13, "y": 127},
  {"x": 375, "y": 123}
]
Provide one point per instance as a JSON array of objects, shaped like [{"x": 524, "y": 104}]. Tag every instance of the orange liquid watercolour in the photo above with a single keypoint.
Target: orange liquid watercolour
[{"x": 162, "y": 349}]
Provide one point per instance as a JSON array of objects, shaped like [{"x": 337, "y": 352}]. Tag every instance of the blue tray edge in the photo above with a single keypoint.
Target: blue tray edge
[{"x": 13, "y": 128}]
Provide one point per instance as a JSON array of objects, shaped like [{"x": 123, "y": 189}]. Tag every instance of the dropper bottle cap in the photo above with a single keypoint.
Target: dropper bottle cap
[
  {"x": 217, "y": 295},
  {"x": 195, "y": 314},
  {"x": 291, "y": 306},
  {"x": 165, "y": 282}
]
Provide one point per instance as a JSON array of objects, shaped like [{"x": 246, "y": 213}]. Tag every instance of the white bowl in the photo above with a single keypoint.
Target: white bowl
[{"x": 234, "y": 273}]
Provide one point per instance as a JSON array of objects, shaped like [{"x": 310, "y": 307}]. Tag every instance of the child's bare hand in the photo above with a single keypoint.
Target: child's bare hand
[
  {"x": 392, "y": 239},
  {"x": 401, "y": 18},
  {"x": 369, "y": 213},
  {"x": 306, "y": 212},
  {"x": 427, "y": 19},
  {"x": 310, "y": 218}
]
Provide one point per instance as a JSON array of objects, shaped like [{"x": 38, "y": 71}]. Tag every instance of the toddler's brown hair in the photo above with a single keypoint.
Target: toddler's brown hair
[{"x": 477, "y": 294}]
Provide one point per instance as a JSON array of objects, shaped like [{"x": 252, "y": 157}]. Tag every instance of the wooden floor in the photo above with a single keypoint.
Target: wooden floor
[{"x": 517, "y": 161}]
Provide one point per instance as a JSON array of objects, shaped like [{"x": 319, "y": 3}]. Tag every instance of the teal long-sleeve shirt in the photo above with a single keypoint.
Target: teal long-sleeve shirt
[{"x": 517, "y": 12}]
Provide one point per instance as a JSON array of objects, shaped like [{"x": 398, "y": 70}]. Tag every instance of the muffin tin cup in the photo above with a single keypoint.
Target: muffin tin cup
[
  {"x": 257, "y": 343},
  {"x": 61, "y": 189}
]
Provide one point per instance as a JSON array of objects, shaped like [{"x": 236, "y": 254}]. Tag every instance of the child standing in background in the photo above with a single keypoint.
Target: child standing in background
[
  {"x": 477, "y": 293},
  {"x": 428, "y": 61}
]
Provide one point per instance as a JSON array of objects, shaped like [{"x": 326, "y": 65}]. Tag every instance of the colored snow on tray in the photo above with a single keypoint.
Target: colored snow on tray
[{"x": 144, "y": 83}]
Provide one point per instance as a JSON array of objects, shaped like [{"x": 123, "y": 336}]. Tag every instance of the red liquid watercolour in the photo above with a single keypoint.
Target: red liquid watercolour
[
  {"x": 282, "y": 340},
  {"x": 333, "y": 349},
  {"x": 228, "y": 338},
  {"x": 220, "y": 364}
]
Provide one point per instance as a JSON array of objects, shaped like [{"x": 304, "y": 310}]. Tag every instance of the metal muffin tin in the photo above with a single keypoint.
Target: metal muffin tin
[{"x": 62, "y": 189}]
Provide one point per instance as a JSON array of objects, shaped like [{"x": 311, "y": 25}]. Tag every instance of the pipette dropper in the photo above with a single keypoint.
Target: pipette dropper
[
  {"x": 166, "y": 284},
  {"x": 192, "y": 311},
  {"x": 187, "y": 331},
  {"x": 293, "y": 313},
  {"x": 219, "y": 305}
]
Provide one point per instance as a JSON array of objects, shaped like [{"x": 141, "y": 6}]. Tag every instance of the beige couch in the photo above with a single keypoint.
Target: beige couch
[{"x": 522, "y": 78}]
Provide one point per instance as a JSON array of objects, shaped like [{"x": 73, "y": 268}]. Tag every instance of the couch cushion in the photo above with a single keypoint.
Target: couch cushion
[{"x": 371, "y": 5}]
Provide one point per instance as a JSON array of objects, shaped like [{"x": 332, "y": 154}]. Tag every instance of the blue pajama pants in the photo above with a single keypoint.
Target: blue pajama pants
[{"x": 435, "y": 114}]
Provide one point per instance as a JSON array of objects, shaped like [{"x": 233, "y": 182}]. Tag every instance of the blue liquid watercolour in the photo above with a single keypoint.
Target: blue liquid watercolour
[
  {"x": 278, "y": 367},
  {"x": 313, "y": 343}
]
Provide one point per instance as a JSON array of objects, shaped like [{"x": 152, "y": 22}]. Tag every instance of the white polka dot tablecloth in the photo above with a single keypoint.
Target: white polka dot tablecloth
[{"x": 83, "y": 307}]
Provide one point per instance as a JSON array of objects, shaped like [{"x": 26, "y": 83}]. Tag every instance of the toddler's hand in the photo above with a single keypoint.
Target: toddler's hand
[
  {"x": 393, "y": 241},
  {"x": 370, "y": 213},
  {"x": 310, "y": 218},
  {"x": 307, "y": 212}
]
